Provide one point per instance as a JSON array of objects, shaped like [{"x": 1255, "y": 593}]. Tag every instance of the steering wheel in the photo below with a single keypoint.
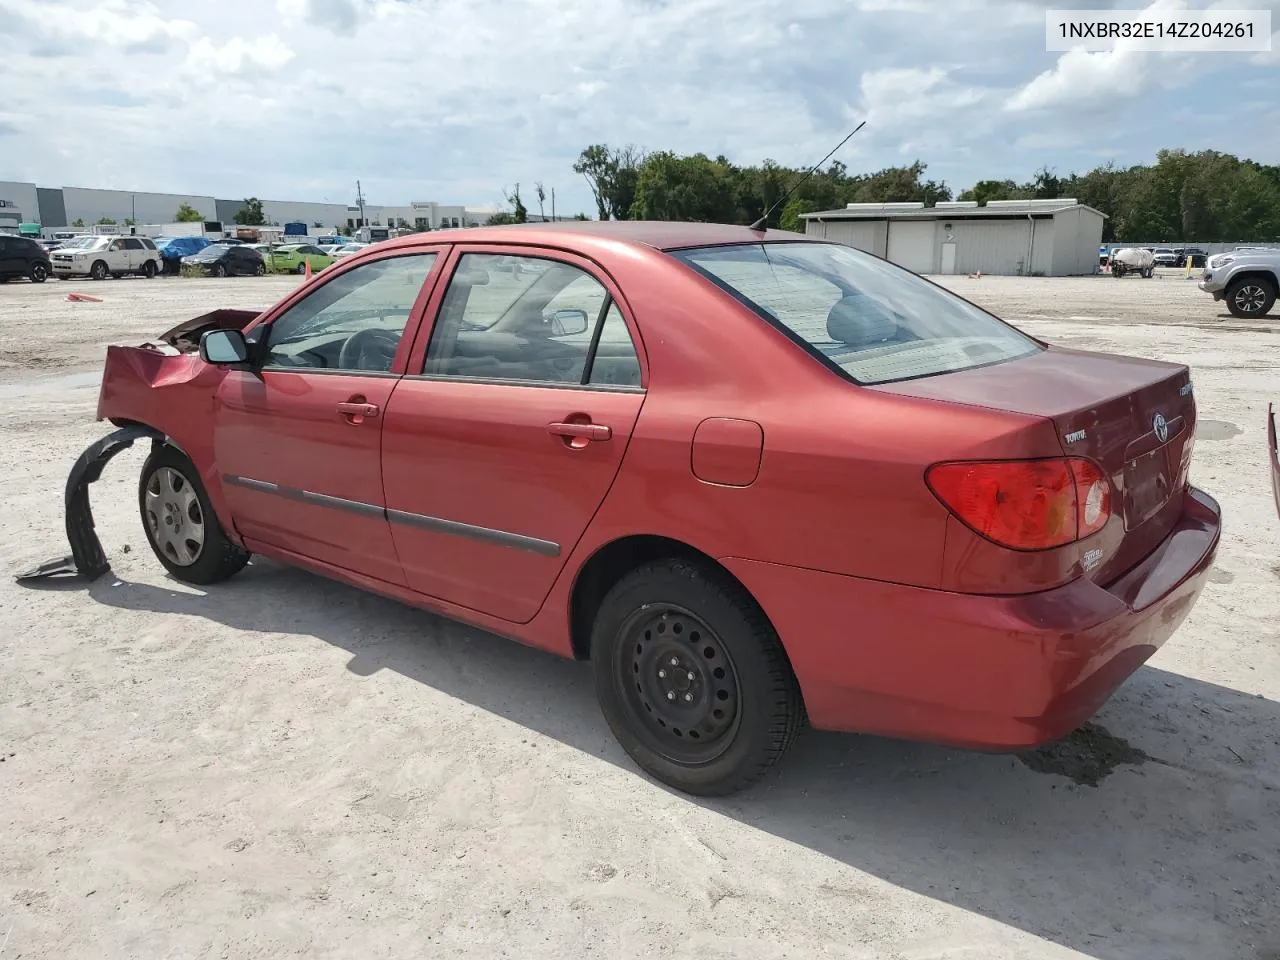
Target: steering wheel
[{"x": 378, "y": 345}]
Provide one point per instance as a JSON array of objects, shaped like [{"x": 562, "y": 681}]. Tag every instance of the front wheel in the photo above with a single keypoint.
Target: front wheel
[
  {"x": 1148, "y": 273},
  {"x": 39, "y": 273},
  {"x": 99, "y": 270},
  {"x": 1250, "y": 297},
  {"x": 692, "y": 679},
  {"x": 260, "y": 270},
  {"x": 149, "y": 269},
  {"x": 217, "y": 270},
  {"x": 181, "y": 526}
]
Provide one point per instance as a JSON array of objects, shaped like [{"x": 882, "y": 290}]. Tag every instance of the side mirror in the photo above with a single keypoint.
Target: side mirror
[
  {"x": 224, "y": 347},
  {"x": 568, "y": 323}
]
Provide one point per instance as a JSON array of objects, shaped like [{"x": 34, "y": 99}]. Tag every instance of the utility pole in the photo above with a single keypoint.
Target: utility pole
[
  {"x": 360, "y": 203},
  {"x": 553, "y": 204}
]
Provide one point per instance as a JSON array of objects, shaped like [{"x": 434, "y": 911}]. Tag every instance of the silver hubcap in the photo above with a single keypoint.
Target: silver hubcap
[
  {"x": 1250, "y": 298},
  {"x": 174, "y": 517}
]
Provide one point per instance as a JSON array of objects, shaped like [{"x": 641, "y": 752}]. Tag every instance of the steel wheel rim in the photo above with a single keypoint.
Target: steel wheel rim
[
  {"x": 175, "y": 519},
  {"x": 686, "y": 711},
  {"x": 1250, "y": 298}
]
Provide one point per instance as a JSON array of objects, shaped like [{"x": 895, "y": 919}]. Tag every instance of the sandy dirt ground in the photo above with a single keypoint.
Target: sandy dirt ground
[{"x": 280, "y": 766}]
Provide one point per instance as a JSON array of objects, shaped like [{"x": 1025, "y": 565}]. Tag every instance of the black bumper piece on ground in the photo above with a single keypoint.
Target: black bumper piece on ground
[{"x": 87, "y": 559}]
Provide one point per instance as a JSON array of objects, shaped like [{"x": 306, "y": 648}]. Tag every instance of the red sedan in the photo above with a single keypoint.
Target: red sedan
[{"x": 754, "y": 478}]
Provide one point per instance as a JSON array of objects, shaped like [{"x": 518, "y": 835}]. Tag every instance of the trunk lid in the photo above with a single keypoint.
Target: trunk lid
[{"x": 1134, "y": 417}]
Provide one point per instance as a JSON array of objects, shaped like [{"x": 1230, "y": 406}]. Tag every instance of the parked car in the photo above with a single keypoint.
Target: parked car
[
  {"x": 227, "y": 260},
  {"x": 1126, "y": 260},
  {"x": 347, "y": 249},
  {"x": 107, "y": 256},
  {"x": 1165, "y": 257},
  {"x": 754, "y": 477},
  {"x": 23, "y": 257},
  {"x": 296, "y": 256},
  {"x": 1247, "y": 279}
]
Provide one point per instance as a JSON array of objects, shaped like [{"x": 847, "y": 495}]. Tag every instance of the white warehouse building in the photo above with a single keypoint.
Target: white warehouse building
[{"x": 1052, "y": 238}]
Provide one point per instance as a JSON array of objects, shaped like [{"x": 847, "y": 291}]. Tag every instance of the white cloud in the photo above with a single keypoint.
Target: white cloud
[
  {"x": 440, "y": 100},
  {"x": 238, "y": 56},
  {"x": 340, "y": 16}
]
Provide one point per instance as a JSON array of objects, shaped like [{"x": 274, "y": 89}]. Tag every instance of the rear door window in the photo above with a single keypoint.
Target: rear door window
[{"x": 531, "y": 320}]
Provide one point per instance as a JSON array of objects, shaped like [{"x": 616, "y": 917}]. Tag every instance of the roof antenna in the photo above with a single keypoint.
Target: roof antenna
[{"x": 760, "y": 224}]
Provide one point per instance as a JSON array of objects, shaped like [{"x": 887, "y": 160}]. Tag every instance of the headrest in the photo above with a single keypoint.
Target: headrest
[{"x": 858, "y": 321}]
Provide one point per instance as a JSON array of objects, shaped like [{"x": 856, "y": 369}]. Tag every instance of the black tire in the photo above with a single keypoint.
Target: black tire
[
  {"x": 217, "y": 557},
  {"x": 260, "y": 270},
  {"x": 149, "y": 269},
  {"x": 1148, "y": 273},
  {"x": 1250, "y": 297},
  {"x": 39, "y": 273},
  {"x": 217, "y": 270},
  {"x": 1117, "y": 270},
  {"x": 99, "y": 270},
  {"x": 745, "y": 707},
  {"x": 302, "y": 267}
]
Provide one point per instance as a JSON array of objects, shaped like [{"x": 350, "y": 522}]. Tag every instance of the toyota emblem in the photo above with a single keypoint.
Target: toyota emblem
[{"x": 1161, "y": 427}]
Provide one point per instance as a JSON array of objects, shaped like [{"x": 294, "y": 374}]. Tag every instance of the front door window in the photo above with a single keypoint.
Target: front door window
[{"x": 353, "y": 323}]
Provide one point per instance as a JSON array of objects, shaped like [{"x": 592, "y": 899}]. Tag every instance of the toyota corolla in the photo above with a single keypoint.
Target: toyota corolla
[{"x": 757, "y": 479}]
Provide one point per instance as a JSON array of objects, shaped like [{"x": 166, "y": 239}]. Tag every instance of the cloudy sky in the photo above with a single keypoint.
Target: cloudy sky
[{"x": 455, "y": 99}]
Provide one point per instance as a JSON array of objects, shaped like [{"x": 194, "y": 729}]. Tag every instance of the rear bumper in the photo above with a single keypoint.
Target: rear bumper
[{"x": 1001, "y": 673}]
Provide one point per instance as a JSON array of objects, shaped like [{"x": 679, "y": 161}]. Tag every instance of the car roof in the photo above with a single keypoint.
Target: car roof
[{"x": 658, "y": 234}]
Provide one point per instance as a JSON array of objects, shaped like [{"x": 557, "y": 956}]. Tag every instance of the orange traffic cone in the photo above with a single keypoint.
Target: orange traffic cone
[{"x": 307, "y": 273}]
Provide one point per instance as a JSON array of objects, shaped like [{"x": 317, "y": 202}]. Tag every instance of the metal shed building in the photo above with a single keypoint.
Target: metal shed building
[{"x": 1054, "y": 238}]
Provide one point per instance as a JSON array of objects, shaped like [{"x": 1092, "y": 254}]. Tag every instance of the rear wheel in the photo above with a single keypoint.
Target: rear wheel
[
  {"x": 1117, "y": 270},
  {"x": 1250, "y": 297},
  {"x": 302, "y": 267},
  {"x": 99, "y": 270},
  {"x": 39, "y": 273},
  {"x": 181, "y": 526},
  {"x": 1148, "y": 272},
  {"x": 692, "y": 679},
  {"x": 149, "y": 269}
]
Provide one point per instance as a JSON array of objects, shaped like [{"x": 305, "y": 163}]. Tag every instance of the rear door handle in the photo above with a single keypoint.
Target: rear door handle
[
  {"x": 580, "y": 431},
  {"x": 351, "y": 409}
]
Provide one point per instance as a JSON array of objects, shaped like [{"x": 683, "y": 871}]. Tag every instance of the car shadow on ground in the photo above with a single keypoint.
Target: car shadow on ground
[{"x": 1172, "y": 854}]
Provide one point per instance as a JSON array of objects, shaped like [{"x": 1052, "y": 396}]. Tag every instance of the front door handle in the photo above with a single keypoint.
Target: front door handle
[
  {"x": 582, "y": 432},
  {"x": 356, "y": 411}
]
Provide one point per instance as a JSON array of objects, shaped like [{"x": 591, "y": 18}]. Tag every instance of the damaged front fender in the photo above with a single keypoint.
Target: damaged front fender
[{"x": 87, "y": 559}]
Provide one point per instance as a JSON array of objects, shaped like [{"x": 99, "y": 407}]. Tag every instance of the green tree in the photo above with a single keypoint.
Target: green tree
[
  {"x": 612, "y": 176},
  {"x": 501, "y": 218},
  {"x": 106, "y": 221},
  {"x": 187, "y": 214},
  {"x": 250, "y": 213},
  {"x": 78, "y": 222},
  {"x": 518, "y": 212},
  {"x": 581, "y": 216},
  {"x": 791, "y": 214}
]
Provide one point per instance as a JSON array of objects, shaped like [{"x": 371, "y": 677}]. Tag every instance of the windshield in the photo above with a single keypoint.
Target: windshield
[
  {"x": 867, "y": 318},
  {"x": 79, "y": 243}
]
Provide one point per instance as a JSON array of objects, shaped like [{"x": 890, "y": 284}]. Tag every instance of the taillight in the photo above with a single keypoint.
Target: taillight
[{"x": 1025, "y": 504}]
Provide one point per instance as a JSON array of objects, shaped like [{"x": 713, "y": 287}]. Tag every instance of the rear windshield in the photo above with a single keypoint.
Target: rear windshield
[{"x": 869, "y": 319}]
